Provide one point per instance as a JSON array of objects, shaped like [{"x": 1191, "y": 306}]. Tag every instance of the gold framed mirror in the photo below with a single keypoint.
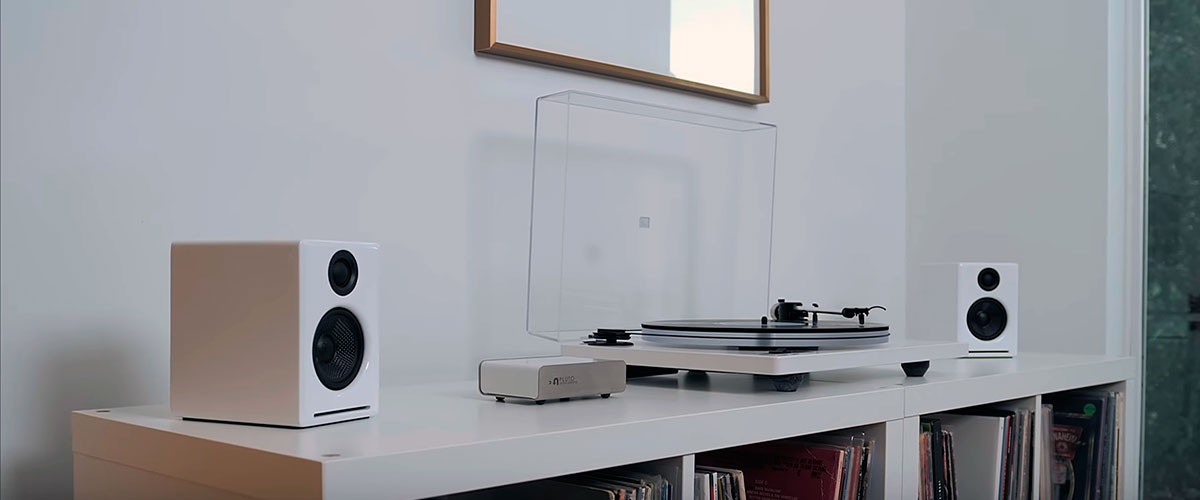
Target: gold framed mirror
[{"x": 718, "y": 48}]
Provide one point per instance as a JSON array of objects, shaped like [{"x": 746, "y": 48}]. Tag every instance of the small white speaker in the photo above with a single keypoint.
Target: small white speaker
[
  {"x": 275, "y": 333},
  {"x": 971, "y": 302}
]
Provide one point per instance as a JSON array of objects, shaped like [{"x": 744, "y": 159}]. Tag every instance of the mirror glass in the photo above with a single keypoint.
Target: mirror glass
[{"x": 713, "y": 42}]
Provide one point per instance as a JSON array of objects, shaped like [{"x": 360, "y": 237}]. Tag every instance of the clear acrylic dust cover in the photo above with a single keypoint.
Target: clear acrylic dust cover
[{"x": 642, "y": 213}]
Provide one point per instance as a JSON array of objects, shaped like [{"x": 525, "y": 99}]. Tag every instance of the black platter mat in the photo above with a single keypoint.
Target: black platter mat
[{"x": 743, "y": 326}]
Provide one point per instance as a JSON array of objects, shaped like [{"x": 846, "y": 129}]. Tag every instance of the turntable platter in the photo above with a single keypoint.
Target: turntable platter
[
  {"x": 772, "y": 334},
  {"x": 757, "y": 327}
]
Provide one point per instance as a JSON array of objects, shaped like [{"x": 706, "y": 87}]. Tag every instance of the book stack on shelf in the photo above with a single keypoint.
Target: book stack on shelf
[
  {"x": 620, "y": 483},
  {"x": 1086, "y": 444},
  {"x": 977, "y": 453},
  {"x": 824, "y": 467},
  {"x": 717, "y": 483}
]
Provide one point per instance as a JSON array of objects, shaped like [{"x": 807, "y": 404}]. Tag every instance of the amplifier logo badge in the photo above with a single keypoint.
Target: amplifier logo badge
[{"x": 568, "y": 380}]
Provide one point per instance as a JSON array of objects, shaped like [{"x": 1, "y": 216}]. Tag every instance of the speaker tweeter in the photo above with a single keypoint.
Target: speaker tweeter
[
  {"x": 988, "y": 279},
  {"x": 343, "y": 272}
]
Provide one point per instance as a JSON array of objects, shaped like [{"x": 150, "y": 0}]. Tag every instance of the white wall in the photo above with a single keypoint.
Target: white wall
[
  {"x": 1007, "y": 154},
  {"x": 129, "y": 124}
]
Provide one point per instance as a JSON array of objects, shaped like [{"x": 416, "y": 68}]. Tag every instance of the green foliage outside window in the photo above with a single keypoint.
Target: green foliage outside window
[{"x": 1171, "y": 447}]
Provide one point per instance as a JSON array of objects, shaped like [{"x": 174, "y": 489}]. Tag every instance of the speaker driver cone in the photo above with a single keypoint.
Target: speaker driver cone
[
  {"x": 338, "y": 347},
  {"x": 343, "y": 272},
  {"x": 988, "y": 279},
  {"x": 987, "y": 318}
]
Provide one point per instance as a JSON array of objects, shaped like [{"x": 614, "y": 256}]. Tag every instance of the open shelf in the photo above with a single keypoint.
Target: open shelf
[
  {"x": 675, "y": 470},
  {"x": 680, "y": 470},
  {"x": 971, "y": 443},
  {"x": 1042, "y": 458},
  {"x": 1109, "y": 435},
  {"x": 760, "y": 462}
]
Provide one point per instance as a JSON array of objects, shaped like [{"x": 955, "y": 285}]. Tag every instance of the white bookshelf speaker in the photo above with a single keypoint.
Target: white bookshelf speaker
[
  {"x": 971, "y": 302},
  {"x": 275, "y": 333}
]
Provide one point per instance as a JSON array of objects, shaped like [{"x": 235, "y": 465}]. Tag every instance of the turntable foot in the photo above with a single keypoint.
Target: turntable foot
[
  {"x": 605, "y": 396},
  {"x": 500, "y": 399},
  {"x": 788, "y": 383},
  {"x": 915, "y": 368},
  {"x": 540, "y": 401}
]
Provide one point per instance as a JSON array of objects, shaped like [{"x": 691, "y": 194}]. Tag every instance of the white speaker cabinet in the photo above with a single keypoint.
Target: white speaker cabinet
[
  {"x": 275, "y": 333},
  {"x": 972, "y": 302}
]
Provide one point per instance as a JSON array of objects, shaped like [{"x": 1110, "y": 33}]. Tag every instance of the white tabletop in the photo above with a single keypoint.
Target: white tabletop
[
  {"x": 960, "y": 383},
  {"x": 426, "y": 438}
]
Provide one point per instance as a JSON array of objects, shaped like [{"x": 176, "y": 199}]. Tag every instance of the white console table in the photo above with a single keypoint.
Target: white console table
[{"x": 441, "y": 439}]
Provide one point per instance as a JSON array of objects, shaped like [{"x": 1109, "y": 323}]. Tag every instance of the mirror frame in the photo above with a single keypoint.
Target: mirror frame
[{"x": 485, "y": 43}]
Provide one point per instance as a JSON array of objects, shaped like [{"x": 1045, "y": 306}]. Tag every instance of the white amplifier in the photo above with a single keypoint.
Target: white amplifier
[{"x": 550, "y": 377}]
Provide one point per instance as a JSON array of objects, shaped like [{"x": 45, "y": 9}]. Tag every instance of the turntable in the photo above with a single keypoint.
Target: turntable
[
  {"x": 649, "y": 222},
  {"x": 791, "y": 326},
  {"x": 785, "y": 347}
]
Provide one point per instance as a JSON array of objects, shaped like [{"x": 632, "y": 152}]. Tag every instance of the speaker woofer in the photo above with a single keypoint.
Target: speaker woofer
[
  {"x": 987, "y": 318},
  {"x": 338, "y": 347}
]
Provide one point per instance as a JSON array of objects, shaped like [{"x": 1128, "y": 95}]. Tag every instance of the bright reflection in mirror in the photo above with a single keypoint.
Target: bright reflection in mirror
[{"x": 714, "y": 42}]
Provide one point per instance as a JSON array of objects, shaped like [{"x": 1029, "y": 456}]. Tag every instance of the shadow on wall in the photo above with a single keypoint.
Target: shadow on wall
[
  {"x": 499, "y": 187},
  {"x": 105, "y": 370}
]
